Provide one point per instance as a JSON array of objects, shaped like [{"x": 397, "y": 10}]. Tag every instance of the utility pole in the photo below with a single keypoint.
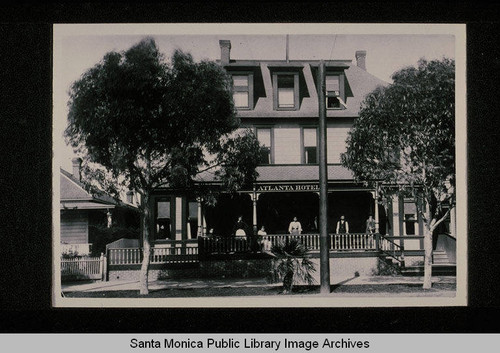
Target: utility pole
[
  {"x": 323, "y": 186},
  {"x": 287, "y": 49}
]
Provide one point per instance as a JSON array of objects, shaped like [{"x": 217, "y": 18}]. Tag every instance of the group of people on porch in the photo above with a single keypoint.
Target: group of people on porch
[{"x": 241, "y": 229}]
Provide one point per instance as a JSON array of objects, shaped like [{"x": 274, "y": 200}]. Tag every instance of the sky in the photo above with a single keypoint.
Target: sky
[{"x": 389, "y": 48}]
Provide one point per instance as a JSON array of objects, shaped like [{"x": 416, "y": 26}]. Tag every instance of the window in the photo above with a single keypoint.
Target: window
[
  {"x": 264, "y": 137},
  {"x": 410, "y": 217},
  {"x": 192, "y": 221},
  {"x": 334, "y": 88},
  {"x": 310, "y": 146},
  {"x": 243, "y": 91},
  {"x": 163, "y": 216},
  {"x": 286, "y": 91}
]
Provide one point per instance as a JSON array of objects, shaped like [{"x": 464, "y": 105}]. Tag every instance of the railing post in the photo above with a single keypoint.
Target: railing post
[
  {"x": 377, "y": 241},
  {"x": 101, "y": 266},
  {"x": 183, "y": 247},
  {"x": 402, "y": 262},
  {"x": 106, "y": 266}
]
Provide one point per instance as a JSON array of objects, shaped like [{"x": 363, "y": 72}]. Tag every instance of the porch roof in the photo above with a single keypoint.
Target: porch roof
[
  {"x": 85, "y": 205},
  {"x": 302, "y": 173},
  {"x": 291, "y": 173}
]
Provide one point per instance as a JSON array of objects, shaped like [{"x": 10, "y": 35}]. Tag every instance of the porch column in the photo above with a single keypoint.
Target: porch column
[
  {"x": 178, "y": 218},
  {"x": 453, "y": 221},
  {"x": 395, "y": 216},
  {"x": 402, "y": 223},
  {"x": 375, "y": 210},
  {"x": 200, "y": 220},
  {"x": 254, "y": 196},
  {"x": 109, "y": 219},
  {"x": 420, "y": 221}
]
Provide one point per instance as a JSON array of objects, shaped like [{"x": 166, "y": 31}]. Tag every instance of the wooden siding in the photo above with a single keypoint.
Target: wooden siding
[
  {"x": 74, "y": 227},
  {"x": 336, "y": 137},
  {"x": 287, "y": 145}
]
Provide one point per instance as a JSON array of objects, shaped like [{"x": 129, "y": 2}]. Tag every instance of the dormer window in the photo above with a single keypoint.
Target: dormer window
[
  {"x": 286, "y": 91},
  {"x": 334, "y": 92},
  {"x": 243, "y": 90}
]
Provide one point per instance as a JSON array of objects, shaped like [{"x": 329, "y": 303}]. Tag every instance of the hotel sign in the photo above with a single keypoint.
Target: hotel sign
[{"x": 288, "y": 187}]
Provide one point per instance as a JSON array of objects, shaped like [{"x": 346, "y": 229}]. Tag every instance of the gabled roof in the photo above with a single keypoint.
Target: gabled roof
[{"x": 74, "y": 195}]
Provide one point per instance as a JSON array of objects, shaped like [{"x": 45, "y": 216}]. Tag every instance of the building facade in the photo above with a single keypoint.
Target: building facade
[{"x": 278, "y": 101}]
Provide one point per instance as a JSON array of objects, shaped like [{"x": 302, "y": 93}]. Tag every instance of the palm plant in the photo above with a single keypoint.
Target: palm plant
[{"x": 292, "y": 264}]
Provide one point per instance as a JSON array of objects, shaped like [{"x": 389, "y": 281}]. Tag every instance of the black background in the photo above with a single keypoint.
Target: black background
[{"x": 26, "y": 175}]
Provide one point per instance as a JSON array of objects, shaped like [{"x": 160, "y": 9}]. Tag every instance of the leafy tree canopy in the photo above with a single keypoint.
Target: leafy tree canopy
[
  {"x": 405, "y": 133},
  {"x": 152, "y": 122}
]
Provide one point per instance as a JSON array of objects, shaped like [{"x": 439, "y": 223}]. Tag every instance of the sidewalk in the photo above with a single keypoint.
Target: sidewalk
[{"x": 120, "y": 285}]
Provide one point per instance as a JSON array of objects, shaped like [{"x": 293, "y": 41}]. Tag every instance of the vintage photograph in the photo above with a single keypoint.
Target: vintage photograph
[{"x": 263, "y": 165}]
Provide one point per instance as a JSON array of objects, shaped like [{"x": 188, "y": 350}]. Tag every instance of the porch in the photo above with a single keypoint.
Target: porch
[
  {"x": 340, "y": 245},
  {"x": 231, "y": 257}
]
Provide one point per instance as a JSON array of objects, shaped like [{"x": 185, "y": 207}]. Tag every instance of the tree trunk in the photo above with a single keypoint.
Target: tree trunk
[
  {"x": 144, "y": 274},
  {"x": 288, "y": 282},
  {"x": 427, "y": 257}
]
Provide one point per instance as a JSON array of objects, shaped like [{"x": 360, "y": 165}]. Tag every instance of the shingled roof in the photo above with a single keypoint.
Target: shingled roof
[
  {"x": 74, "y": 196},
  {"x": 359, "y": 83}
]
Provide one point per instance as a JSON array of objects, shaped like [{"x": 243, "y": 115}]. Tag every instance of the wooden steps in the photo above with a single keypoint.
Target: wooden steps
[
  {"x": 439, "y": 257},
  {"x": 437, "y": 270}
]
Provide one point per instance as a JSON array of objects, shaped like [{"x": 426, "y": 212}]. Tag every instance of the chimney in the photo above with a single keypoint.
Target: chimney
[
  {"x": 225, "y": 51},
  {"x": 130, "y": 197},
  {"x": 361, "y": 59},
  {"x": 77, "y": 168}
]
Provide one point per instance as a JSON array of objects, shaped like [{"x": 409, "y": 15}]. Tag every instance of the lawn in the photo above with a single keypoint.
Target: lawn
[{"x": 438, "y": 289}]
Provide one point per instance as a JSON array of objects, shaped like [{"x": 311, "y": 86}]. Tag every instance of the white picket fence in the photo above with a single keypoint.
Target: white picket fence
[{"x": 84, "y": 268}]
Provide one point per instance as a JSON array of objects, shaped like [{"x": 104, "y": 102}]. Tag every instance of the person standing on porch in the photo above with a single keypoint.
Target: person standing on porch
[
  {"x": 265, "y": 244},
  {"x": 295, "y": 228},
  {"x": 370, "y": 225},
  {"x": 342, "y": 226},
  {"x": 240, "y": 228}
]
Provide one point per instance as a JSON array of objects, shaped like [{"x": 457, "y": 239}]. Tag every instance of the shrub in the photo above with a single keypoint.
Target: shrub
[
  {"x": 386, "y": 268},
  {"x": 292, "y": 264}
]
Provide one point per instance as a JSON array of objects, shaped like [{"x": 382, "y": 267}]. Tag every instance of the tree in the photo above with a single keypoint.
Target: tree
[
  {"x": 404, "y": 140},
  {"x": 145, "y": 123}
]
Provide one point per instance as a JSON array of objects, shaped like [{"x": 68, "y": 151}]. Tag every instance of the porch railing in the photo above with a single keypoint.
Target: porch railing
[
  {"x": 188, "y": 251},
  {"x": 338, "y": 242},
  {"x": 159, "y": 255},
  {"x": 222, "y": 245}
]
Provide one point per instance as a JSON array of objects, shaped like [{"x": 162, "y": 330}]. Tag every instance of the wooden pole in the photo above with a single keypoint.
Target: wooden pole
[
  {"x": 287, "y": 48},
  {"x": 323, "y": 186}
]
